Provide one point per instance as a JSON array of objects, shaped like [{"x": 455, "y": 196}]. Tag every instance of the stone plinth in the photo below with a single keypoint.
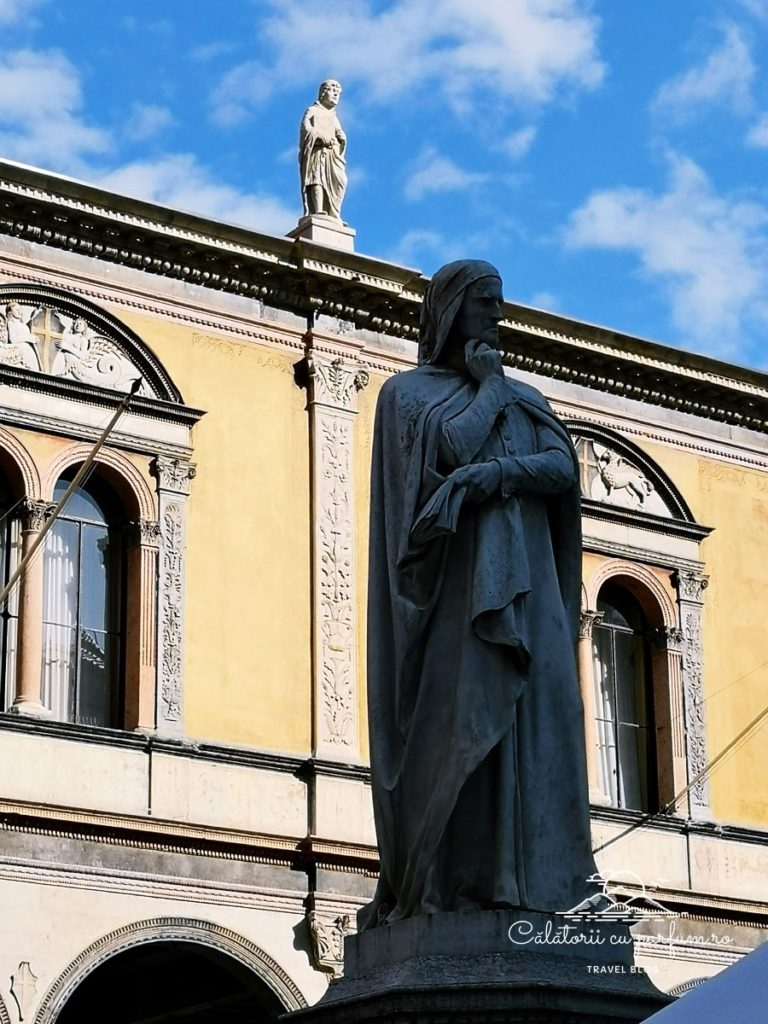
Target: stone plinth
[
  {"x": 467, "y": 968},
  {"x": 325, "y": 230}
]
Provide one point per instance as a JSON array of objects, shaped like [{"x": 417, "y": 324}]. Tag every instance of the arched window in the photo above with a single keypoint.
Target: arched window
[
  {"x": 10, "y": 548},
  {"x": 83, "y": 607},
  {"x": 624, "y": 701}
]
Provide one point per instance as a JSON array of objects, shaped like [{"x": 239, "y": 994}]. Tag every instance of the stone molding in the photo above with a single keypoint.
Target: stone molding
[
  {"x": 690, "y": 585},
  {"x": 374, "y": 295},
  {"x": 4, "y": 1015},
  {"x": 169, "y": 929}
]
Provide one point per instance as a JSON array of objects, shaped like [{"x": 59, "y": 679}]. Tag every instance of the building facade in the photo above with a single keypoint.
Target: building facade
[{"x": 185, "y": 822}]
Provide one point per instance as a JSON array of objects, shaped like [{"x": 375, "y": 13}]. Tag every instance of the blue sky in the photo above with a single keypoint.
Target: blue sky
[{"x": 610, "y": 157}]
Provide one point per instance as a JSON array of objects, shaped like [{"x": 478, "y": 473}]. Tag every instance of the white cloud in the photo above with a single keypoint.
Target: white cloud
[
  {"x": 724, "y": 79},
  {"x": 518, "y": 143},
  {"x": 709, "y": 252},
  {"x": 757, "y": 135},
  {"x": 435, "y": 173},
  {"x": 40, "y": 119},
  {"x": 523, "y": 50},
  {"x": 147, "y": 120},
  {"x": 178, "y": 180},
  {"x": 15, "y": 10},
  {"x": 544, "y": 300}
]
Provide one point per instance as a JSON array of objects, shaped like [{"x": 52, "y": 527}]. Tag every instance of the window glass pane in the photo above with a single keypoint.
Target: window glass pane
[
  {"x": 80, "y": 504},
  {"x": 633, "y": 767},
  {"x": 61, "y": 574},
  {"x": 95, "y": 556},
  {"x": 59, "y": 671},
  {"x": 630, "y": 678},
  {"x": 11, "y": 641},
  {"x": 602, "y": 655},
  {"x": 98, "y": 677}
]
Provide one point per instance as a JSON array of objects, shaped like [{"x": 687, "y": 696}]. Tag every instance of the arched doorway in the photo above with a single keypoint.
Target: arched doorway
[{"x": 172, "y": 982}]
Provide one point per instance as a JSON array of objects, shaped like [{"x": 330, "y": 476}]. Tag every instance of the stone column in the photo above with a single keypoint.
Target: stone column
[
  {"x": 142, "y": 542},
  {"x": 29, "y": 665},
  {"x": 333, "y": 386},
  {"x": 587, "y": 622},
  {"x": 690, "y": 589},
  {"x": 173, "y": 479}
]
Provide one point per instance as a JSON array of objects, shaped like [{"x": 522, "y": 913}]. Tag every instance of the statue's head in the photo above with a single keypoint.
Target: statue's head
[
  {"x": 14, "y": 311},
  {"x": 329, "y": 92},
  {"x": 462, "y": 301}
]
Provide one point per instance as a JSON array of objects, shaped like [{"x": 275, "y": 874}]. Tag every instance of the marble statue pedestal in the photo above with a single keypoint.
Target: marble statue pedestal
[
  {"x": 465, "y": 968},
  {"x": 325, "y": 230}
]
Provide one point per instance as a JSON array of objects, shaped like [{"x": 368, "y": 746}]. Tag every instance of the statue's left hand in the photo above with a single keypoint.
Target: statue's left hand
[{"x": 482, "y": 479}]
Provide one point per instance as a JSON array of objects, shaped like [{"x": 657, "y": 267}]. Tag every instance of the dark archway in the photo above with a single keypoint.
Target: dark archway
[{"x": 172, "y": 982}]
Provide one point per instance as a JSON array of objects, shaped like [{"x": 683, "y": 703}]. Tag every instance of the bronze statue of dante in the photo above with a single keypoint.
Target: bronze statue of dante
[{"x": 477, "y": 739}]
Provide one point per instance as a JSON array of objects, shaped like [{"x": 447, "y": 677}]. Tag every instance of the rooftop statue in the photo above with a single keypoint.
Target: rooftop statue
[
  {"x": 322, "y": 144},
  {"x": 476, "y": 722}
]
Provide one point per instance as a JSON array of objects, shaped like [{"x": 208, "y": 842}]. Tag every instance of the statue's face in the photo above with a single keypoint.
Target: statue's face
[
  {"x": 479, "y": 313},
  {"x": 331, "y": 94}
]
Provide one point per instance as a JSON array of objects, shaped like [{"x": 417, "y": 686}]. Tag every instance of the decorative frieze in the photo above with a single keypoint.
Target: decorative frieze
[
  {"x": 173, "y": 482},
  {"x": 334, "y": 384}
]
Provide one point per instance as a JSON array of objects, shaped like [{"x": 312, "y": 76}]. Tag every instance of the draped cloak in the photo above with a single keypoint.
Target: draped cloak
[
  {"x": 321, "y": 164},
  {"x": 477, "y": 741}
]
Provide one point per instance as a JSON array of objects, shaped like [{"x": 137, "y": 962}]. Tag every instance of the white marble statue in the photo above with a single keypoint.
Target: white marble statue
[{"x": 322, "y": 144}]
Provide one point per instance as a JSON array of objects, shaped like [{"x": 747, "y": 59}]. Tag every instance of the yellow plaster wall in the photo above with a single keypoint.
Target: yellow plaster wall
[
  {"x": 247, "y": 627},
  {"x": 735, "y": 501}
]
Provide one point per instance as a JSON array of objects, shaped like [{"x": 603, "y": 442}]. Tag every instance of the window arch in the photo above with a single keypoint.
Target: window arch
[
  {"x": 83, "y": 606},
  {"x": 624, "y": 701}
]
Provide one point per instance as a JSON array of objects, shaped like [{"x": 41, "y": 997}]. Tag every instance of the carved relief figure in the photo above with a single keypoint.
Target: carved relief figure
[
  {"x": 617, "y": 475},
  {"x": 20, "y": 347},
  {"x": 477, "y": 737},
  {"x": 322, "y": 144},
  {"x": 85, "y": 356}
]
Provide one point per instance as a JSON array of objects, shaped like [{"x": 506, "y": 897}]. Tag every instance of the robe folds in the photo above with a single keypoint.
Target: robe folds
[{"x": 477, "y": 739}]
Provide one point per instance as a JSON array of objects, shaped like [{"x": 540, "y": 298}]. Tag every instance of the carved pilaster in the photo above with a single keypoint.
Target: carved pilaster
[
  {"x": 690, "y": 585},
  {"x": 333, "y": 386},
  {"x": 35, "y": 514},
  {"x": 142, "y": 543},
  {"x": 334, "y": 383},
  {"x": 28, "y": 699},
  {"x": 328, "y": 942},
  {"x": 587, "y": 622},
  {"x": 173, "y": 483},
  {"x": 144, "y": 532},
  {"x": 690, "y": 589}
]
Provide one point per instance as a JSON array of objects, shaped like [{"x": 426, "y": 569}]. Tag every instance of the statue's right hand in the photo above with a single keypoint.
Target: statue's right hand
[
  {"x": 482, "y": 360},
  {"x": 481, "y": 479}
]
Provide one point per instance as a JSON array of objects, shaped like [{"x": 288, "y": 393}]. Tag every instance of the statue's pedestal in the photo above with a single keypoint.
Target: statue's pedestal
[
  {"x": 467, "y": 968},
  {"x": 325, "y": 230}
]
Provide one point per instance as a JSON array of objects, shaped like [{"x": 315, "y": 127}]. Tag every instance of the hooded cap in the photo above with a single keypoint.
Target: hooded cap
[{"x": 442, "y": 301}]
